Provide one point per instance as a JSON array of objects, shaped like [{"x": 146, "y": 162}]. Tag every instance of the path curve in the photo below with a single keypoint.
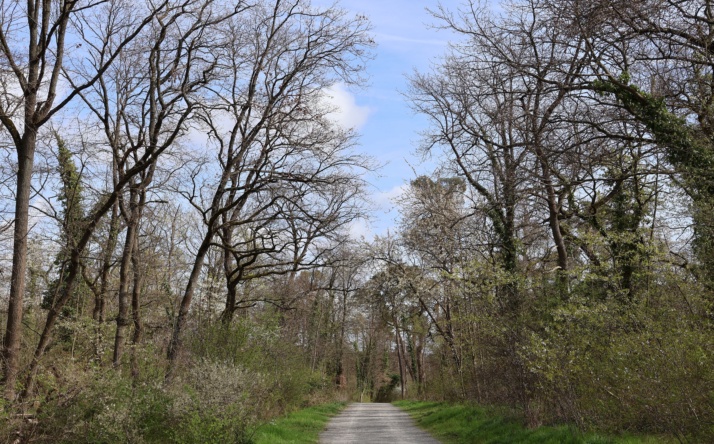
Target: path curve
[{"x": 374, "y": 423}]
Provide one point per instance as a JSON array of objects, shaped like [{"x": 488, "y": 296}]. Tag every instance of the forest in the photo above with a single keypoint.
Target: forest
[{"x": 176, "y": 203}]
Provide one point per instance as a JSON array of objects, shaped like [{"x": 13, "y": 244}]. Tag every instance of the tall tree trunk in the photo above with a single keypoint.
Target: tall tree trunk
[
  {"x": 228, "y": 271},
  {"x": 179, "y": 323},
  {"x": 13, "y": 332},
  {"x": 230, "y": 307},
  {"x": 136, "y": 307},
  {"x": 130, "y": 241},
  {"x": 400, "y": 357},
  {"x": 554, "y": 221},
  {"x": 420, "y": 368},
  {"x": 98, "y": 313},
  {"x": 340, "y": 379}
]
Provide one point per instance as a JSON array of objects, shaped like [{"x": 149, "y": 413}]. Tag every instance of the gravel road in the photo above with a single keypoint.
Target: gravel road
[{"x": 374, "y": 423}]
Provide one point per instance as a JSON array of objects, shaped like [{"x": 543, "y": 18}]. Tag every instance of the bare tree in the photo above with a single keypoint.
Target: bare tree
[
  {"x": 34, "y": 50},
  {"x": 143, "y": 105},
  {"x": 268, "y": 125},
  {"x": 168, "y": 99}
]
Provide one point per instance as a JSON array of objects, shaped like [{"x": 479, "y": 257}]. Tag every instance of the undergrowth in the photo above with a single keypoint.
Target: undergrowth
[
  {"x": 468, "y": 424},
  {"x": 300, "y": 427}
]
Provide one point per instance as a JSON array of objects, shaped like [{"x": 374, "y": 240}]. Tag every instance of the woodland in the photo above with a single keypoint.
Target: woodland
[{"x": 176, "y": 204}]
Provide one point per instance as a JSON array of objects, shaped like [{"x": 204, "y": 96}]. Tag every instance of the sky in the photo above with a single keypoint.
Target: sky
[
  {"x": 388, "y": 129},
  {"x": 387, "y": 126}
]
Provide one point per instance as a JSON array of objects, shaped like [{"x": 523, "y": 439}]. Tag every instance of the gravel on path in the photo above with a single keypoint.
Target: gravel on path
[{"x": 374, "y": 423}]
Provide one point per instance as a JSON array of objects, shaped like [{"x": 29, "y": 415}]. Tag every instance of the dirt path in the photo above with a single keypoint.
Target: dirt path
[{"x": 374, "y": 423}]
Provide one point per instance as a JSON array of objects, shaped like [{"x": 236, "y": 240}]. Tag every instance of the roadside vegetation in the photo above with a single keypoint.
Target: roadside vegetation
[
  {"x": 468, "y": 424},
  {"x": 301, "y": 427}
]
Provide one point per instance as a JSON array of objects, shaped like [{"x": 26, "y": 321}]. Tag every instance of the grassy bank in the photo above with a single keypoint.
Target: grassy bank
[
  {"x": 300, "y": 427},
  {"x": 457, "y": 424}
]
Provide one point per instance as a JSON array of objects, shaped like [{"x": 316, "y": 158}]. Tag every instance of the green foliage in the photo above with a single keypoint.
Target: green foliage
[
  {"x": 217, "y": 402},
  {"x": 115, "y": 409},
  {"x": 300, "y": 427},
  {"x": 70, "y": 195},
  {"x": 461, "y": 423},
  {"x": 690, "y": 149},
  {"x": 107, "y": 408},
  {"x": 71, "y": 224},
  {"x": 258, "y": 347},
  {"x": 668, "y": 129},
  {"x": 639, "y": 366},
  {"x": 595, "y": 359}
]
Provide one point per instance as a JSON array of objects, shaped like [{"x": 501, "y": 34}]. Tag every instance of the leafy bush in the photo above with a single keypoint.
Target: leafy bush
[{"x": 217, "y": 402}]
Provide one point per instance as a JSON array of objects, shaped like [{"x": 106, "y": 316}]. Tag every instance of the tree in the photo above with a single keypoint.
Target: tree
[
  {"x": 514, "y": 109},
  {"x": 498, "y": 104},
  {"x": 143, "y": 105},
  {"x": 655, "y": 60},
  {"x": 36, "y": 70},
  {"x": 297, "y": 231},
  {"x": 168, "y": 100},
  {"x": 71, "y": 219},
  {"x": 268, "y": 126},
  {"x": 346, "y": 276}
]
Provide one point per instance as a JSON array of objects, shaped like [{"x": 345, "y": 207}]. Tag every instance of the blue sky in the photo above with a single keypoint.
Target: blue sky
[{"x": 388, "y": 128}]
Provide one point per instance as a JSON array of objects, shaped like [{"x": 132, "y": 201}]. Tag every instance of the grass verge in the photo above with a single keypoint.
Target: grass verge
[
  {"x": 300, "y": 427},
  {"x": 460, "y": 423}
]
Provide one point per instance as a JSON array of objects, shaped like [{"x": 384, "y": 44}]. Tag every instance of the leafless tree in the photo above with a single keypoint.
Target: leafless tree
[
  {"x": 143, "y": 105},
  {"x": 268, "y": 125},
  {"x": 35, "y": 51},
  {"x": 141, "y": 119}
]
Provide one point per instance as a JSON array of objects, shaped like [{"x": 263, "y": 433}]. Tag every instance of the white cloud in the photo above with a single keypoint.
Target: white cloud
[
  {"x": 348, "y": 114},
  {"x": 385, "y": 218},
  {"x": 360, "y": 229},
  {"x": 388, "y": 199}
]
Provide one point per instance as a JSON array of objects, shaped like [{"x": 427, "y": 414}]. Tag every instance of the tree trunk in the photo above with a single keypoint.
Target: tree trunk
[
  {"x": 13, "y": 332},
  {"x": 340, "y": 379},
  {"x": 122, "y": 319},
  {"x": 175, "y": 343},
  {"x": 98, "y": 313},
  {"x": 136, "y": 308},
  {"x": 400, "y": 357},
  {"x": 553, "y": 221},
  {"x": 231, "y": 288}
]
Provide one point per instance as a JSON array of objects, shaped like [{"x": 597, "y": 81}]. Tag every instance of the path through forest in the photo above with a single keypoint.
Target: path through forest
[{"x": 374, "y": 423}]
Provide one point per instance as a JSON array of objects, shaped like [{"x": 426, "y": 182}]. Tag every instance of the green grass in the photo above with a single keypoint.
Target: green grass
[
  {"x": 459, "y": 423},
  {"x": 301, "y": 427}
]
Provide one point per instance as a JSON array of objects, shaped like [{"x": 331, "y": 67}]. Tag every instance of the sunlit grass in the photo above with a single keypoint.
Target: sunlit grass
[
  {"x": 301, "y": 427},
  {"x": 462, "y": 424}
]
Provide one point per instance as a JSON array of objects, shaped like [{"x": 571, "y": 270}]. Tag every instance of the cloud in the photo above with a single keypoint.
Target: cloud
[
  {"x": 386, "y": 216},
  {"x": 360, "y": 229},
  {"x": 348, "y": 114},
  {"x": 388, "y": 199}
]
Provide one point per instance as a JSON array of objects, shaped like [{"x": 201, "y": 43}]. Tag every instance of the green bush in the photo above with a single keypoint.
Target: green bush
[
  {"x": 218, "y": 402},
  {"x": 110, "y": 409}
]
